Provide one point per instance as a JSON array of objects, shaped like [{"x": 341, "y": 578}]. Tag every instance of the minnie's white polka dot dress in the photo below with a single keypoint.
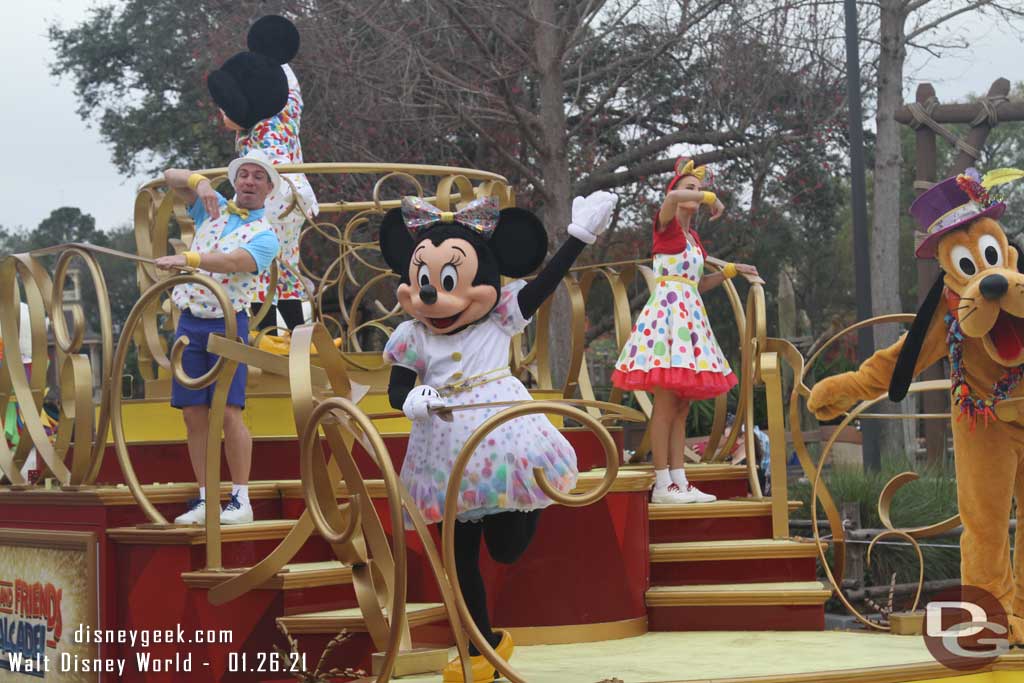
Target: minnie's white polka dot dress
[{"x": 499, "y": 476}]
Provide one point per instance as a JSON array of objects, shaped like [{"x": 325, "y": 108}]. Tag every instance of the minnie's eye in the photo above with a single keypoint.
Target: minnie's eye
[
  {"x": 424, "y": 275},
  {"x": 964, "y": 262},
  {"x": 449, "y": 278},
  {"x": 989, "y": 247}
]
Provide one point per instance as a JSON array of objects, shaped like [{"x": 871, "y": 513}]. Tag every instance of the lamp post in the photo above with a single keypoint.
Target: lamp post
[{"x": 861, "y": 255}]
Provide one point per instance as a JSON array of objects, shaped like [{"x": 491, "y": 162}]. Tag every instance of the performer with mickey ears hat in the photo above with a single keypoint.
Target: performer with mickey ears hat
[
  {"x": 450, "y": 266},
  {"x": 260, "y": 99}
]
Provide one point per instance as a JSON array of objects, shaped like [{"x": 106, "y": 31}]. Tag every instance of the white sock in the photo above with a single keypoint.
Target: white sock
[
  {"x": 202, "y": 493},
  {"x": 662, "y": 479},
  {"x": 242, "y": 491},
  {"x": 679, "y": 478}
]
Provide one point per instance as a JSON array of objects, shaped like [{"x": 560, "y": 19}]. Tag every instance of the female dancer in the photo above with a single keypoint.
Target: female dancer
[{"x": 672, "y": 351}]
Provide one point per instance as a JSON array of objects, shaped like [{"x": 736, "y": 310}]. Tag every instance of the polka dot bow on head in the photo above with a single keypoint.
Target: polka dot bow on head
[{"x": 480, "y": 215}]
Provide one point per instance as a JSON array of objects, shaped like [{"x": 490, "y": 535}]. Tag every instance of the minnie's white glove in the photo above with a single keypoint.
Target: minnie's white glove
[
  {"x": 420, "y": 401},
  {"x": 591, "y": 215}
]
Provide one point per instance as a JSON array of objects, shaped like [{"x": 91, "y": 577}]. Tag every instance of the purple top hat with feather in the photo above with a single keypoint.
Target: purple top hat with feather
[{"x": 948, "y": 205}]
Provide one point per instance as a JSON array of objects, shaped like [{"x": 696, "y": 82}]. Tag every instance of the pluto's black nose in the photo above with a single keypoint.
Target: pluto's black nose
[{"x": 993, "y": 286}]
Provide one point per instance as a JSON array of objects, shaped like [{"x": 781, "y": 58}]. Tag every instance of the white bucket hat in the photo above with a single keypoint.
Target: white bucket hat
[{"x": 260, "y": 159}]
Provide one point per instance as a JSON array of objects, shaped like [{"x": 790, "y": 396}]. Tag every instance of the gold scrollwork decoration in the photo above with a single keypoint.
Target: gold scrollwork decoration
[
  {"x": 452, "y": 498},
  {"x": 16, "y": 382}
]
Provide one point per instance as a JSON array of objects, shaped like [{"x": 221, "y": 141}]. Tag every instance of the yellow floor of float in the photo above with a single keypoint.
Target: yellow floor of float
[
  {"x": 267, "y": 417},
  {"x": 746, "y": 657}
]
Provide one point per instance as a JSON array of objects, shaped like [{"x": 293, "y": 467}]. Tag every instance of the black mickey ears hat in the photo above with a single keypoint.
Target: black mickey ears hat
[
  {"x": 275, "y": 37},
  {"x": 252, "y": 86}
]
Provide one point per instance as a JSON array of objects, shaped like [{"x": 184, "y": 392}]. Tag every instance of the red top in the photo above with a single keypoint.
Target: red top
[{"x": 672, "y": 240}]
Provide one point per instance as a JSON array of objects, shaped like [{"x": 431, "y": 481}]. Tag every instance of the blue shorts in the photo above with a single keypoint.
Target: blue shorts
[{"x": 196, "y": 360}]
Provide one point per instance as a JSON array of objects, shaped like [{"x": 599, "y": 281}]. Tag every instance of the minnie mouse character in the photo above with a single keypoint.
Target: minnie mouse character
[{"x": 457, "y": 344}]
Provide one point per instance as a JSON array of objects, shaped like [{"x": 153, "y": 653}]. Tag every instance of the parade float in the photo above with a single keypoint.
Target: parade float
[{"x": 96, "y": 584}]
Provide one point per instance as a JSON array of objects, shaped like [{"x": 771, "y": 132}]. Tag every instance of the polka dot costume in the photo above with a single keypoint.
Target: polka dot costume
[
  {"x": 500, "y": 473},
  {"x": 278, "y": 138},
  {"x": 672, "y": 345},
  {"x": 240, "y": 287}
]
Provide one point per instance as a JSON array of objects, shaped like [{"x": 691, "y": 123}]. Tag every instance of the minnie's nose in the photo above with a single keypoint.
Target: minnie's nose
[
  {"x": 428, "y": 294},
  {"x": 994, "y": 286}
]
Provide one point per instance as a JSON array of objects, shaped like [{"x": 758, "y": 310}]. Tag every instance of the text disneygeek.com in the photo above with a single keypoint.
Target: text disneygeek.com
[{"x": 146, "y": 637}]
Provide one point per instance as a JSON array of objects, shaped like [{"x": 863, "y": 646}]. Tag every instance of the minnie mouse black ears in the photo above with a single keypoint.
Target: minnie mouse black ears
[
  {"x": 520, "y": 242},
  {"x": 396, "y": 244},
  {"x": 275, "y": 37}
]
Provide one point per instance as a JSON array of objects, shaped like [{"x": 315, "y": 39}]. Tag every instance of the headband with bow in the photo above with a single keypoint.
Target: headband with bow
[
  {"x": 688, "y": 169},
  {"x": 480, "y": 215}
]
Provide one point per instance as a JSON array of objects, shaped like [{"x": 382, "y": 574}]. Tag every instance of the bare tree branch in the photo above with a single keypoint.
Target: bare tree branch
[
  {"x": 938, "y": 21},
  {"x": 691, "y": 137},
  {"x": 640, "y": 171}
]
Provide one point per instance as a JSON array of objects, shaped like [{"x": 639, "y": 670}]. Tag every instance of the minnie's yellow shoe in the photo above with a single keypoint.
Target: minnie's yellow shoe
[{"x": 481, "y": 669}]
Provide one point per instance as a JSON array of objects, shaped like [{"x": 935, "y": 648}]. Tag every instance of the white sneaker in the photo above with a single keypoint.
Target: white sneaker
[
  {"x": 673, "y": 495},
  {"x": 700, "y": 496},
  {"x": 196, "y": 513},
  {"x": 236, "y": 512}
]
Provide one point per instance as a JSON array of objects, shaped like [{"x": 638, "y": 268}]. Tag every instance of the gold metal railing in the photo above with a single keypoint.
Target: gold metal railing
[
  {"x": 451, "y": 506},
  {"x": 814, "y": 469}
]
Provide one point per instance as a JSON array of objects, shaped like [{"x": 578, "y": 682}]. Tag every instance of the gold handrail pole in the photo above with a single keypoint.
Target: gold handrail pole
[
  {"x": 716, "y": 450},
  {"x": 771, "y": 373},
  {"x": 213, "y": 453}
]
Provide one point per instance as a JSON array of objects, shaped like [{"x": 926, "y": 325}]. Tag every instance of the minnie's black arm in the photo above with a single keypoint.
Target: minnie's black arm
[
  {"x": 399, "y": 385},
  {"x": 541, "y": 287}
]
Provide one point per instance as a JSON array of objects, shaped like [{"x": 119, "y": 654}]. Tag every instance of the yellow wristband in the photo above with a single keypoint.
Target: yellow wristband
[
  {"x": 192, "y": 258},
  {"x": 194, "y": 180},
  {"x": 709, "y": 198},
  {"x": 729, "y": 271}
]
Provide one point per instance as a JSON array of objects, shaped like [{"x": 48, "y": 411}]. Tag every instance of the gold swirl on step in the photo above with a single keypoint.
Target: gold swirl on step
[
  {"x": 222, "y": 368},
  {"x": 452, "y": 499},
  {"x": 820, "y": 494},
  {"x": 15, "y": 382}
]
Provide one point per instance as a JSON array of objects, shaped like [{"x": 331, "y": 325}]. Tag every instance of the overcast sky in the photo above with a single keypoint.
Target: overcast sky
[{"x": 53, "y": 159}]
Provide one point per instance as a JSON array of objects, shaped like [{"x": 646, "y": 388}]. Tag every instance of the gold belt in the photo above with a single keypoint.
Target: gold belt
[
  {"x": 676, "y": 278},
  {"x": 474, "y": 381}
]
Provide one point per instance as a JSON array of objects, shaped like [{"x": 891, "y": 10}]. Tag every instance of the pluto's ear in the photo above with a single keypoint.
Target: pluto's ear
[
  {"x": 903, "y": 373},
  {"x": 1020, "y": 254}
]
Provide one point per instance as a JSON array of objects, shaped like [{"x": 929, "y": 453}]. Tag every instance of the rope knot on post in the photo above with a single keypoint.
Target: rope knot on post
[
  {"x": 989, "y": 110},
  {"x": 922, "y": 114}
]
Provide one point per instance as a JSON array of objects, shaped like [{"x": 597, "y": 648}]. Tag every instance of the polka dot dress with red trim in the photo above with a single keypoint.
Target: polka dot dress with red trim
[{"x": 672, "y": 345}]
